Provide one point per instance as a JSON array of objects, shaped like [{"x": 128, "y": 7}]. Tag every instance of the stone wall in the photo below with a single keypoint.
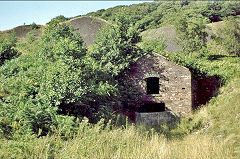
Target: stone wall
[
  {"x": 174, "y": 83},
  {"x": 157, "y": 118}
]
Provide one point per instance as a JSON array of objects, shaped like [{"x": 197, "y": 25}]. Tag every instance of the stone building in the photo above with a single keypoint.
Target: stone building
[{"x": 165, "y": 88}]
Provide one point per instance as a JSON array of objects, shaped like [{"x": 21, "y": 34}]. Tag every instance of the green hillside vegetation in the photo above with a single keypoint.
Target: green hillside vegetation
[{"x": 60, "y": 99}]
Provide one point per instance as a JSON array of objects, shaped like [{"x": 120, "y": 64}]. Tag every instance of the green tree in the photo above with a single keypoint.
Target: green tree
[
  {"x": 115, "y": 46},
  {"x": 114, "y": 51},
  {"x": 191, "y": 32}
]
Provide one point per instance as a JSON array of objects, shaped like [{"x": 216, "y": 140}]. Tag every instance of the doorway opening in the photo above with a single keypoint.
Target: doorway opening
[{"x": 152, "y": 107}]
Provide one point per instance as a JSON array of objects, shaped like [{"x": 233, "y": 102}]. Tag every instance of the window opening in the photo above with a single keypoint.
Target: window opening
[
  {"x": 152, "y": 107},
  {"x": 152, "y": 85}
]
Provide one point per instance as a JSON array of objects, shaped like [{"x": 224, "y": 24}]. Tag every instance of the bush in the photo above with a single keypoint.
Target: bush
[
  {"x": 157, "y": 45},
  {"x": 191, "y": 33},
  {"x": 34, "y": 26},
  {"x": 58, "y": 19},
  {"x": 7, "y": 47},
  {"x": 229, "y": 36},
  {"x": 114, "y": 51},
  {"x": 36, "y": 84}
]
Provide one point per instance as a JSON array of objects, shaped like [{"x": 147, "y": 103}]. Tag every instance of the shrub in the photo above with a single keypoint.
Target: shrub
[
  {"x": 7, "y": 47},
  {"x": 229, "y": 36},
  {"x": 58, "y": 19},
  {"x": 157, "y": 45},
  {"x": 34, "y": 26},
  {"x": 36, "y": 84},
  {"x": 47, "y": 87},
  {"x": 191, "y": 33}
]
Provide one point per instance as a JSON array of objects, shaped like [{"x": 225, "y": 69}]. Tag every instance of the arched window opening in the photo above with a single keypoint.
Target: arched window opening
[{"x": 152, "y": 85}]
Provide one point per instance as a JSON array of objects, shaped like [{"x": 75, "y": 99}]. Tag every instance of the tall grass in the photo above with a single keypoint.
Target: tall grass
[{"x": 131, "y": 142}]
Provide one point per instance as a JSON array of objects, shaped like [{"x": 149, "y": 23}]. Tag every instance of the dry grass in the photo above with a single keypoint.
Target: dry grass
[{"x": 127, "y": 143}]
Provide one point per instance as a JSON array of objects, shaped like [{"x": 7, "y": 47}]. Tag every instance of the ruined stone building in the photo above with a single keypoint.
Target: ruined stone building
[{"x": 165, "y": 88}]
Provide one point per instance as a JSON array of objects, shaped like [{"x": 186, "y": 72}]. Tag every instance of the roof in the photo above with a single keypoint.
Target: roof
[{"x": 162, "y": 57}]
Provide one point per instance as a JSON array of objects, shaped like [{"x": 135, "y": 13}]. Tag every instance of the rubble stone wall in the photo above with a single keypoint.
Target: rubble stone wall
[
  {"x": 174, "y": 83},
  {"x": 157, "y": 118}
]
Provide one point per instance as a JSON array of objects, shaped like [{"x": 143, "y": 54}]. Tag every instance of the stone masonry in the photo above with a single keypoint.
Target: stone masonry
[
  {"x": 174, "y": 84},
  {"x": 157, "y": 118}
]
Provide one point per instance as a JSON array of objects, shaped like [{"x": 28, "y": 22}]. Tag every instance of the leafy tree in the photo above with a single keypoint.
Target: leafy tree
[
  {"x": 88, "y": 82},
  {"x": 191, "y": 32},
  {"x": 115, "y": 46},
  {"x": 115, "y": 50}
]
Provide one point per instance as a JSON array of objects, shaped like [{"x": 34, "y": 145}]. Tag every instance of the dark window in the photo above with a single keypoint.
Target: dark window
[
  {"x": 152, "y": 85},
  {"x": 152, "y": 107}
]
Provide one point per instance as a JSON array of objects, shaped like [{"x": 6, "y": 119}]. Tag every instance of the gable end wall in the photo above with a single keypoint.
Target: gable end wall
[{"x": 174, "y": 83}]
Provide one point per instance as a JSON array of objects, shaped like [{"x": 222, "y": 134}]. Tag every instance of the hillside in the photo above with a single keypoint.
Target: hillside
[
  {"x": 86, "y": 26},
  {"x": 167, "y": 33},
  {"x": 23, "y": 30},
  {"x": 58, "y": 98}
]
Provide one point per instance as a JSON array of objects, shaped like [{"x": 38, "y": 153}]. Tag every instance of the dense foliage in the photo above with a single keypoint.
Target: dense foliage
[
  {"x": 152, "y": 15},
  {"x": 189, "y": 18},
  {"x": 58, "y": 83},
  {"x": 191, "y": 31},
  {"x": 229, "y": 36},
  {"x": 31, "y": 88},
  {"x": 7, "y": 47},
  {"x": 34, "y": 26},
  {"x": 58, "y": 19},
  {"x": 115, "y": 46}
]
